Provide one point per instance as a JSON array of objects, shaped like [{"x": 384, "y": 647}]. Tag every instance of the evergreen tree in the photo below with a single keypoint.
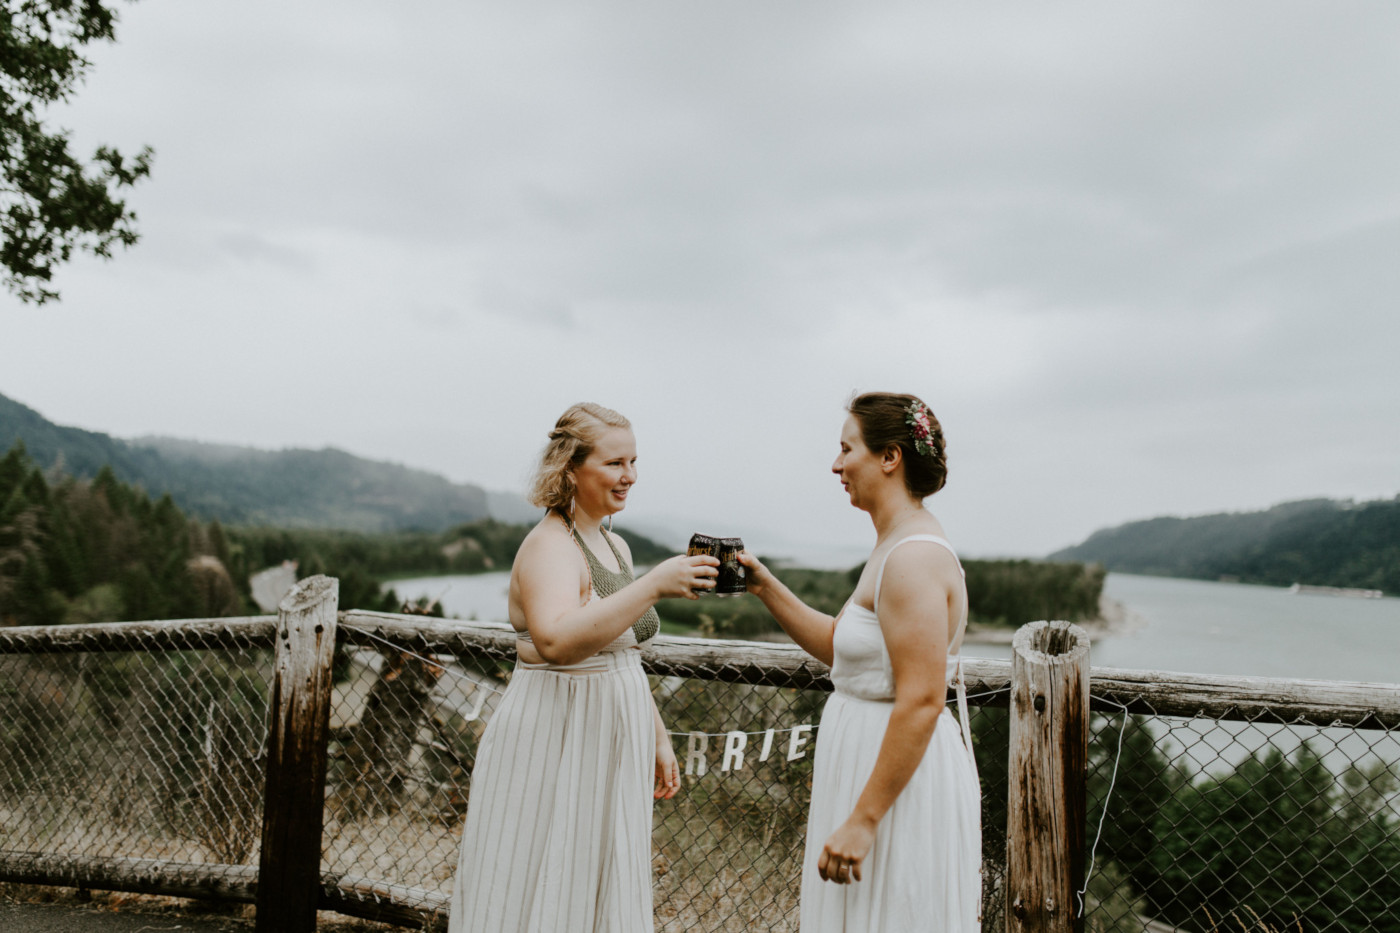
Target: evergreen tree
[{"x": 1276, "y": 838}]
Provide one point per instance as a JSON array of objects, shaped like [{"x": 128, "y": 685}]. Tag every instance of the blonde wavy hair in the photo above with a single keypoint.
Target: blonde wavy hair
[{"x": 574, "y": 436}]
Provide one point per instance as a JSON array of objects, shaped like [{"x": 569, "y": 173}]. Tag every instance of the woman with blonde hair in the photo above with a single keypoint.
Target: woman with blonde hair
[
  {"x": 894, "y": 836},
  {"x": 558, "y": 828}
]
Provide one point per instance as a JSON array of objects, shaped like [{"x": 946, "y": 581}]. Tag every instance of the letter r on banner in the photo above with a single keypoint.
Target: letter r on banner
[
  {"x": 734, "y": 743},
  {"x": 696, "y": 745}
]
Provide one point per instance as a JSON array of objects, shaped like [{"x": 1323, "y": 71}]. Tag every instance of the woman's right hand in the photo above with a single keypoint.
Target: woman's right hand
[
  {"x": 757, "y": 576},
  {"x": 682, "y": 576}
]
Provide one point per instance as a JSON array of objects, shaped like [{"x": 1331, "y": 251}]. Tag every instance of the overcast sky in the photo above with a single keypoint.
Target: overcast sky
[{"x": 1140, "y": 259}]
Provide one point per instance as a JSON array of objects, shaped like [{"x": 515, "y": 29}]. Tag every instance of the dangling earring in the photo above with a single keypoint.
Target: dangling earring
[{"x": 609, "y": 523}]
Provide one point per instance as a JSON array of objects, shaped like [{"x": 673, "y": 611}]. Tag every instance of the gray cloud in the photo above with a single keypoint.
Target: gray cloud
[{"x": 1139, "y": 258}]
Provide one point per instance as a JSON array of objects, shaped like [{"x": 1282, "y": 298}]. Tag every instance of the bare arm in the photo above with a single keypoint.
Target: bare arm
[
  {"x": 668, "y": 772},
  {"x": 548, "y": 585},
  {"x": 913, "y": 614},
  {"x": 812, "y": 630}
]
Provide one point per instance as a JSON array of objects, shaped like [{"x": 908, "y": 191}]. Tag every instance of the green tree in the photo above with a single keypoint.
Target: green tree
[
  {"x": 51, "y": 202},
  {"x": 1281, "y": 839}
]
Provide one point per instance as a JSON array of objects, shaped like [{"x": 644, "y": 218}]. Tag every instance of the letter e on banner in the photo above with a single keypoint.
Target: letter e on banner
[
  {"x": 796, "y": 741},
  {"x": 734, "y": 743},
  {"x": 696, "y": 745}
]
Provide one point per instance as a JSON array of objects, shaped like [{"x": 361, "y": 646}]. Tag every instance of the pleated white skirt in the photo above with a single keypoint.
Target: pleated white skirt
[
  {"x": 558, "y": 828},
  {"x": 924, "y": 871}
]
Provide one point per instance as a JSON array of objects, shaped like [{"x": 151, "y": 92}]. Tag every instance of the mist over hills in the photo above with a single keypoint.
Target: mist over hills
[
  {"x": 291, "y": 488},
  {"x": 1324, "y": 542},
  {"x": 1313, "y": 541}
]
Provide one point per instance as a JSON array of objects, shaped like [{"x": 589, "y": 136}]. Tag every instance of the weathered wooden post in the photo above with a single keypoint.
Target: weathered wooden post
[
  {"x": 1048, "y": 768},
  {"x": 289, "y": 873}
]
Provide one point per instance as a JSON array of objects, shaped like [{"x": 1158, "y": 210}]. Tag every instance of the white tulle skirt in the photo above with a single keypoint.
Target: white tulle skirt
[{"x": 924, "y": 872}]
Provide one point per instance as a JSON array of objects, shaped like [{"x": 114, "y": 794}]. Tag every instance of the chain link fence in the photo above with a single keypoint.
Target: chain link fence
[
  {"x": 1254, "y": 823},
  {"x": 133, "y": 758},
  {"x": 137, "y": 752},
  {"x": 727, "y": 850}
]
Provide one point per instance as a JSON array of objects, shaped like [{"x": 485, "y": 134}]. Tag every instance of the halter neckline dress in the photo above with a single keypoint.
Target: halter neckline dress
[
  {"x": 924, "y": 871},
  {"x": 557, "y": 837}
]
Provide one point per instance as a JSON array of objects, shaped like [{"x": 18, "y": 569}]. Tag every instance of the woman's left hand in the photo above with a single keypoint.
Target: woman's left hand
[
  {"x": 844, "y": 851},
  {"x": 668, "y": 772}
]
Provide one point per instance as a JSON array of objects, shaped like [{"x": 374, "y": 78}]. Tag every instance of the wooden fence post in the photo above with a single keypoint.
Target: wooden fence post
[
  {"x": 1048, "y": 768},
  {"x": 289, "y": 872}
]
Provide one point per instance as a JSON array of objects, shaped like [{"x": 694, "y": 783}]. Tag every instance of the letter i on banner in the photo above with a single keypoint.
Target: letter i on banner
[
  {"x": 696, "y": 745},
  {"x": 767, "y": 744},
  {"x": 796, "y": 741},
  {"x": 734, "y": 743},
  {"x": 480, "y": 702}
]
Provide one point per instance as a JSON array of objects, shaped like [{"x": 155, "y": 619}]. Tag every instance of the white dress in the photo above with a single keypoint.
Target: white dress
[
  {"x": 558, "y": 831},
  {"x": 924, "y": 871}
]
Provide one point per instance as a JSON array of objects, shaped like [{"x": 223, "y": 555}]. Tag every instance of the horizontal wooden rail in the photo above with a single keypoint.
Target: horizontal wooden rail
[
  {"x": 747, "y": 662},
  {"x": 172, "y": 635},
  {"x": 1248, "y": 699},
  {"x": 1164, "y": 693},
  {"x": 347, "y": 894},
  {"x": 435, "y": 636},
  {"x": 208, "y": 881}
]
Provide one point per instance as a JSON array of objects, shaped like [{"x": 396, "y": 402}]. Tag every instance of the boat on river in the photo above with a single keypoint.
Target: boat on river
[{"x": 1352, "y": 591}]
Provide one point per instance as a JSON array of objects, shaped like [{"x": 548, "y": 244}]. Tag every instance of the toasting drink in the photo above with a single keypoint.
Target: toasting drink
[
  {"x": 732, "y": 580},
  {"x": 703, "y": 544}
]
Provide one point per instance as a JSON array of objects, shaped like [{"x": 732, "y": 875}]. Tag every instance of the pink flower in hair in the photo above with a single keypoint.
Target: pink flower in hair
[{"x": 921, "y": 427}]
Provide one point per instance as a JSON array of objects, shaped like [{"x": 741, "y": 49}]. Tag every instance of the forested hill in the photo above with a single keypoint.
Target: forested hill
[
  {"x": 1315, "y": 541},
  {"x": 240, "y": 485}
]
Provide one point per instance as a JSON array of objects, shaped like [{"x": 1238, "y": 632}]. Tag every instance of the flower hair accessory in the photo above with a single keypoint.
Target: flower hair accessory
[{"x": 920, "y": 422}]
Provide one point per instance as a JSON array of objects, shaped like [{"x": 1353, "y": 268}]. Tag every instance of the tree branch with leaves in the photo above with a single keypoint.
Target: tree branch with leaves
[{"x": 52, "y": 202}]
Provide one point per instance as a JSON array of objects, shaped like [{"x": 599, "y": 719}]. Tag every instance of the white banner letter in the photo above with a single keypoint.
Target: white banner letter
[
  {"x": 734, "y": 743},
  {"x": 798, "y": 739},
  {"x": 767, "y": 744},
  {"x": 697, "y": 744}
]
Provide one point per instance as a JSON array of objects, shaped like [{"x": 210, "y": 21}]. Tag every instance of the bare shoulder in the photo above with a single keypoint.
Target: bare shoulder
[
  {"x": 919, "y": 567},
  {"x": 547, "y": 546}
]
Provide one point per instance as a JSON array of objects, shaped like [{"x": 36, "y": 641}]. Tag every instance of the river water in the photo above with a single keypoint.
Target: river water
[{"x": 1174, "y": 625}]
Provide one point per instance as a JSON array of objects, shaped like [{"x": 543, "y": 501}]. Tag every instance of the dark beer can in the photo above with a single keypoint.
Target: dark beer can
[
  {"x": 733, "y": 580},
  {"x": 703, "y": 544}
]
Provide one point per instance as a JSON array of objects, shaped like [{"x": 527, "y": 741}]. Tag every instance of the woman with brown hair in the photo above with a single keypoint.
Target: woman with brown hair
[
  {"x": 894, "y": 829},
  {"x": 558, "y": 828}
]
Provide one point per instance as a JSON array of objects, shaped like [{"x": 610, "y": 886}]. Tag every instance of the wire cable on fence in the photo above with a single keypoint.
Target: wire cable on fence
[
  {"x": 419, "y": 657},
  {"x": 1113, "y": 779}
]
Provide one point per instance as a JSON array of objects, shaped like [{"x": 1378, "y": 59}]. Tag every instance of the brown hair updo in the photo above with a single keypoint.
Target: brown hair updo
[
  {"x": 574, "y": 436},
  {"x": 883, "y": 420}
]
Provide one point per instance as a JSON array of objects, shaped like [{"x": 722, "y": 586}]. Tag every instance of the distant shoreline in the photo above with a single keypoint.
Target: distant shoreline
[{"x": 1114, "y": 619}]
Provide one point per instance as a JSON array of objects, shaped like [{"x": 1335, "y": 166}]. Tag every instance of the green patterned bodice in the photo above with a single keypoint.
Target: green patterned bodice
[{"x": 606, "y": 583}]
